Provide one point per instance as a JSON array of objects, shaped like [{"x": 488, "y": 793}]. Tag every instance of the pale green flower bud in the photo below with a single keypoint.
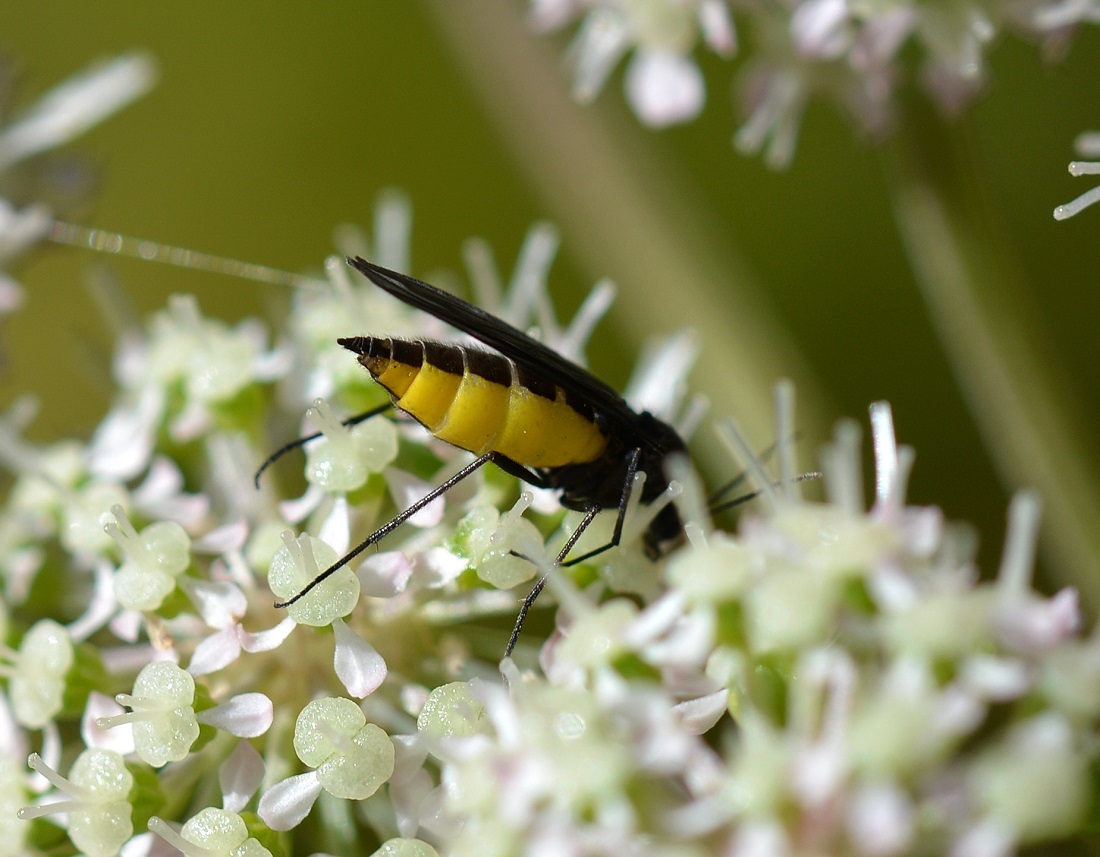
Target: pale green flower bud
[
  {"x": 343, "y": 460},
  {"x": 596, "y": 636},
  {"x": 211, "y": 833},
  {"x": 37, "y": 673},
  {"x": 948, "y": 624},
  {"x": 1038, "y": 785},
  {"x": 161, "y": 712},
  {"x": 491, "y": 541},
  {"x": 405, "y": 848},
  {"x": 13, "y": 795},
  {"x": 83, "y": 517},
  {"x": 98, "y": 807},
  {"x": 295, "y": 565},
  {"x": 352, "y": 757},
  {"x": 214, "y": 361},
  {"x": 715, "y": 572},
  {"x": 789, "y": 608},
  {"x": 155, "y": 557},
  {"x": 452, "y": 711}
]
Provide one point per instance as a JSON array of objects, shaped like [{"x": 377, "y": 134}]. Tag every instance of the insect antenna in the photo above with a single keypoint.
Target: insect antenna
[
  {"x": 115, "y": 243},
  {"x": 716, "y": 502},
  {"x": 715, "y": 508},
  {"x": 302, "y": 441}
]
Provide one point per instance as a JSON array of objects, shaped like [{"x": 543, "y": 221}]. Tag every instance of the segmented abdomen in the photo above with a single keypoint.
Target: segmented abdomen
[{"x": 482, "y": 402}]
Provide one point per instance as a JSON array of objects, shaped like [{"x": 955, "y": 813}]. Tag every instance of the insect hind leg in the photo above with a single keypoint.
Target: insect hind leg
[
  {"x": 589, "y": 517},
  {"x": 399, "y": 519},
  {"x": 540, "y": 584},
  {"x": 620, "y": 519}
]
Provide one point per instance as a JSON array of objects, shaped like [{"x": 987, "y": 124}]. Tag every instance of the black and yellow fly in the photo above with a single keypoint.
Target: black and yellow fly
[{"x": 526, "y": 409}]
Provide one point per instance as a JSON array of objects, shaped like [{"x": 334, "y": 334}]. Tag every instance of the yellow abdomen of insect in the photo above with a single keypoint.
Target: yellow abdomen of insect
[{"x": 483, "y": 402}]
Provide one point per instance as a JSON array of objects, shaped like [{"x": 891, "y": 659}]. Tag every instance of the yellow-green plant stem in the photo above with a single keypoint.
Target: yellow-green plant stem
[{"x": 971, "y": 284}]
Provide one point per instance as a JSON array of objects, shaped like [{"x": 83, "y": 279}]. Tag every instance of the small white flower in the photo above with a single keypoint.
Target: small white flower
[
  {"x": 38, "y": 672},
  {"x": 164, "y": 720},
  {"x": 351, "y": 759},
  {"x": 211, "y": 833},
  {"x": 96, "y": 801},
  {"x": 155, "y": 558}
]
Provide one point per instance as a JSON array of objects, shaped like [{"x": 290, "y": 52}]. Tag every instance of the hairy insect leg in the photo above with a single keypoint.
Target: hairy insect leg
[
  {"x": 501, "y": 461},
  {"x": 302, "y": 441}
]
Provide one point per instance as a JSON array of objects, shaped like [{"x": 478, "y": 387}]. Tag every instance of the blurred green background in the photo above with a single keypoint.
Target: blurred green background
[{"x": 273, "y": 123}]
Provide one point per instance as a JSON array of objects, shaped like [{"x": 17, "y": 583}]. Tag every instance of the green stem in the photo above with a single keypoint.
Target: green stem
[{"x": 971, "y": 284}]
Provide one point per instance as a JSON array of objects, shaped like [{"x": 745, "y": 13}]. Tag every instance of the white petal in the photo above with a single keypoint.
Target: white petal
[
  {"x": 163, "y": 480},
  {"x": 717, "y": 26},
  {"x": 216, "y": 652},
  {"x": 239, "y": 777},
  {"x": 224, "y": 539},
  {"x": 191, "y": 422},
  {"x": 336, "y": 529},
  {"x": 219, "y": 602},
  {"x": 101, "y": 607},
  {"x": 384, "y": 575},
  {"x": 127, "y": 625},
  {"x": 120, "y": 739},
  {"x": 358, "y": 665},
  {"x": 285, "y": 804},
  {"x": 246, "y": 715},
  {"x": 880, "y": 820},
  {"x": 997, "y": 679},
  {"x": 265, "y": 641},
  {"x": 20, "y": 229},
  {"x": 664, "y": 88},
  {"x": 820, "y": 28},
  {"x": 70, "y": 109},
  {"x": 142, "y": 845},
  {"x": 699, "y": 715},
  {"x": 437, "y": 567},
  {"x": 407, "y": 489},
  {"x": 123, "y": 444},
  {"x": 296, "y": 511}
]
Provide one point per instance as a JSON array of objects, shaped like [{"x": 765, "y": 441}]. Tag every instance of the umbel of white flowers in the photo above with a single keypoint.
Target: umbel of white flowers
[{"x": 833, "y": 678}]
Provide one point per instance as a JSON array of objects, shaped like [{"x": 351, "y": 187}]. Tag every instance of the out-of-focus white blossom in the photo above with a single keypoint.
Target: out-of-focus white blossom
[
  {"x": 63, "y": 113},
  {"x": 857, "y": 55}
]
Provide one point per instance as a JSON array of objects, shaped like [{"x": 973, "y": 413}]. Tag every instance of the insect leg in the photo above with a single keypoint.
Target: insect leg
[
  {"x": 302, "y": 441},
  {"x": 400, "y": 518},
  {"x": 525, "y": 608},
  {"x": 617, "y": 533},
  {"x": 589, "y": 516}
]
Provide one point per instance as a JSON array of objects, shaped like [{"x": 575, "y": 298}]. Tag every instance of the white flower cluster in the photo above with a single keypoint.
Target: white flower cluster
[
  {"x": 829, "y": 680},
  {"x": 848, "y": 51}
]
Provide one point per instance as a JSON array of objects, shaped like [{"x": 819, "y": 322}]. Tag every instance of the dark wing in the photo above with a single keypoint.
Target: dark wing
[{"x": 497, "y": 334}]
